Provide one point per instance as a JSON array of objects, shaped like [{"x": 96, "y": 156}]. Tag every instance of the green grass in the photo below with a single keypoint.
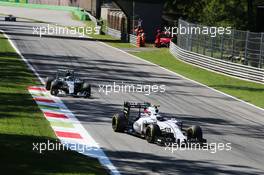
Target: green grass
[
  {"x": 121, "y": 45},
  {"x": 22, "y": 124},
  {"x": 245, "y": 90},
  {"x": 80, "y": 15}
]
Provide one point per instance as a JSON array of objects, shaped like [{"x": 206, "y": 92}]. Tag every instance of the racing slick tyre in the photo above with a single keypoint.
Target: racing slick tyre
[
  {"x": 119, "y": 122},
  {"x": 152, "y": 132},
  {"x": 195, "y": 132},
  {"x": 87, "y": 90},
  {"x": 48, "y": 83},
  {"x": 54, "y": 89}
]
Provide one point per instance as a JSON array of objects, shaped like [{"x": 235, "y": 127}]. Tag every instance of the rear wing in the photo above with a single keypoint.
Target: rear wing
[
  {"x": 139, "y": 106},
  {"x": 65, "y": 72},
  {"x": 136, "y": 105}
]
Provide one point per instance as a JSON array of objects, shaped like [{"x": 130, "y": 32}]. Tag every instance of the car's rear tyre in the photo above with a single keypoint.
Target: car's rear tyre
[
  {"x": 119, "y": 122},
  {"x": 48, "y": 83},
  {"x": 152, "y": 132},
  {"x": 54, "y": 90},
  {"x": 195, "y": 132},
  {"x": 87, "y": 89}
]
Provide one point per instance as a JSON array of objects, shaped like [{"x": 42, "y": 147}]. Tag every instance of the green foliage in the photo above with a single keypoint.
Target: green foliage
[
  {"x": 225, "y": 13},
  {"x": 234, "y": 13},
  {"x": 188, "y": 9}
]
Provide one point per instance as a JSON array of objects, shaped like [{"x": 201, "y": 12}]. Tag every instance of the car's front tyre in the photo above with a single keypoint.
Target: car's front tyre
[
  {"x": 87, "y": 90},
  {"x": 48, "y": 82},
  {"x": 119, "y": 122},
  {"x": 54, "y": 90},
  {"x": 195, "y": 132},
  {"x": 152, "y": 132}
]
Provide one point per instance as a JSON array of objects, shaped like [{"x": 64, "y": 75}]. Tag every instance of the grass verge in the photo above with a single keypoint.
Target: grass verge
[
  {"x": 248, "y": 91},
  {"x": 22, "y": 124}
]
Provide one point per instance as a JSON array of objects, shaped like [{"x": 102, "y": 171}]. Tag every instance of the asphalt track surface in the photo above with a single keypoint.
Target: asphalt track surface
[
  {"x": 50, "y": 16},
  {"x": 223, "y": 119}
]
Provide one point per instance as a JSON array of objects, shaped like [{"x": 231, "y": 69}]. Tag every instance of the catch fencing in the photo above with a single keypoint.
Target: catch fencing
[
  {"x": 243, "y": 47},
  {"x": 223, "y": 66}
]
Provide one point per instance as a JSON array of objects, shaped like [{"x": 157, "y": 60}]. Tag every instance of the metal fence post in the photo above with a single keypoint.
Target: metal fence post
[
  {"x": 246, "y": 45},
  {"x": 222, "y": 45},
  {"x": 204, "y": 45},
  {"x": 233, "y": 43},
  {"x": 187, "y": 40},
  {"x": 179, "y": 36},
  {"x": 197, "y": 43},
  {"x": 261, "y": 52},
  {"x": 212, "y": 42},
  {"x": 190, "y": 42}
]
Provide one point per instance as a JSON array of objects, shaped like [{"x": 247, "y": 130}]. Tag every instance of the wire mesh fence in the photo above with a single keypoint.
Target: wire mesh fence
[{"x": 238, "y": 46}]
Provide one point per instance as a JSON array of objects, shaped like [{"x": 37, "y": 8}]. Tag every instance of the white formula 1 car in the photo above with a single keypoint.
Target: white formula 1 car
[
  {"x": 66, "y": 83},
  {"x": 150, "y": 125}
]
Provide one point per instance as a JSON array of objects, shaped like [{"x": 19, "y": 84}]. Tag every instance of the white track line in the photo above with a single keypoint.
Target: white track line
[{"x": 95, "y": 150}]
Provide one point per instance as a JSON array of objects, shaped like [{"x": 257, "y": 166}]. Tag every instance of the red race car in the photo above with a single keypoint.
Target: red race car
[{"x": 163, "y": 39}]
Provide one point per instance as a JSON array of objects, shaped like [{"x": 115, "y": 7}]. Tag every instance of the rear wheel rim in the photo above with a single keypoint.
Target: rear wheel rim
[
  {"x": 114, "y": 123},
  {"x": 54, "y": 92},
  {"x": 148, "y": 136}
]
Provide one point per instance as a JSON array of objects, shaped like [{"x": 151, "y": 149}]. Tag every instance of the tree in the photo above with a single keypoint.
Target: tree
[
  {"x": 251, "y": 23},
  {"x": 226, "y": 13},
  {"x": 188, "y": 9},
  {"x": 239, "y": 14}
]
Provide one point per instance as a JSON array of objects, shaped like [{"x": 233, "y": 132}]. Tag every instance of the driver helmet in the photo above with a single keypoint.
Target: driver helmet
[
  {"x": 156, "y": 110},
  {"x": 147, "y": 111},
  {"x": 69, "y": 78}
]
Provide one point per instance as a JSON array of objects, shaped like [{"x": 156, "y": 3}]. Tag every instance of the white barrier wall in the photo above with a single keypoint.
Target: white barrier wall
[{"x": 226, "y": 67}]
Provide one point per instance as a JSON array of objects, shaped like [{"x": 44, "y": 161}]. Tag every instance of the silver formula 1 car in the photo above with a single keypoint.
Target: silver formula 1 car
[
  {"x": 10, "y": 18},
  {"x": 149, "y": 124},
  {"x": 66, "y": 83}
]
